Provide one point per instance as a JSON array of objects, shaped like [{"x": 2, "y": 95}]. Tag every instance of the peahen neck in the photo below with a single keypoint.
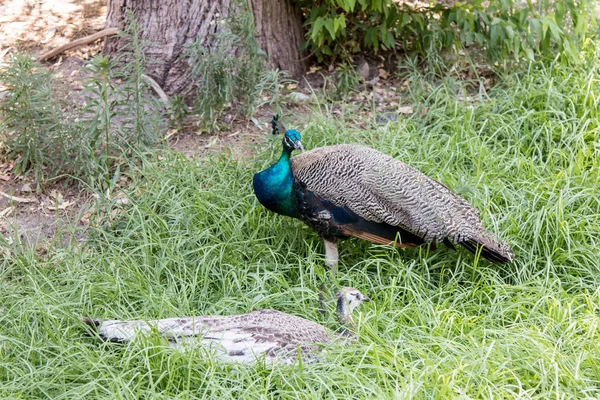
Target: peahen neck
[
  {"x": 273, "y": 186},
  {"x": 343, "y": 313}
]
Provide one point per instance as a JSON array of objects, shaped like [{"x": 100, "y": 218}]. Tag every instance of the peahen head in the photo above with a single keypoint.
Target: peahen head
[{"x": 348, "y": 299}]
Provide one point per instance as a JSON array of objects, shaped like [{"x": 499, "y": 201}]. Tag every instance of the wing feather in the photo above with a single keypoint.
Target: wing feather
[
  {"x": 382, "y": 189},
  {"x": 242, "y": 337}
]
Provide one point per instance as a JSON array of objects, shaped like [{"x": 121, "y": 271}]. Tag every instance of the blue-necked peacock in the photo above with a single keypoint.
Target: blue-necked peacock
[{"x": 354, "y": 191}]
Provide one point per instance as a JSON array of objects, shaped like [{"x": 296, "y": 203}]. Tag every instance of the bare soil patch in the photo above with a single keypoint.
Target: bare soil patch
[
  {"x": 37, "y": 216},
  {"x": 39, "y": 26}
]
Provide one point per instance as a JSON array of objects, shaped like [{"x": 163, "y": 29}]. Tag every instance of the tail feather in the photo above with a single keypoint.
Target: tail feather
[
  {"x": 277, "y": 125},
  {"x": 493, "y": 250},
  {"x": 92, "y": 322},
  {"x": 96, "y": 328}
]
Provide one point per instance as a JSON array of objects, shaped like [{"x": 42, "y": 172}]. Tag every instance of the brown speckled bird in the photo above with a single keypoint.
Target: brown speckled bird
[
  {"x": 271, "y": 334},
  {"x": 354, "y": 191}
]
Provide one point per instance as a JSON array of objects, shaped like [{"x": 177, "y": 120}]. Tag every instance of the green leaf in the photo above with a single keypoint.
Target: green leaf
[
  {"x": 388, "y": 40},
  {"x": 339, "y": 22},
  {"x": 582, "y": 23},
  {"x": 571, "y": 51},
  {"x": 484, "y": 17},
  {"x": 371, "y": 39},
  {"x": 392, "y": 15},
  {"x": 516, "y": 48},
  {"x": 343, "y": 4},
  {"x": 448, "y": 38},
  {"x": 347, "y": 5},
  {"x": 545, "y": 26},
  {"x": 326, "y": 50},
  {"x": 314, "y": 14},
  {"x": 545, "y": 43},
  {"x": 377, "y": 5},
  {"x": 480, "y": 38},
  {"x": 403, "y": 19},
  {"x": 529, "y": 54},
  {"x": 329, "y": 25},
  {"x": 555, "y": 31},
  {"x": 559, "y": 11},
  {"x": 316, "y": 29},
  {"x": 451, "y": 17},
  {"x": 509, "y": 32},
  {"x": 494, "y": 34},
  {"x": 536, "y": 27},
  {"x": 469, "y": 38},
  {"x": 522, "y": 15},
  {"x": 383, "y": 30},
  {"x": 419, "y": 19}
]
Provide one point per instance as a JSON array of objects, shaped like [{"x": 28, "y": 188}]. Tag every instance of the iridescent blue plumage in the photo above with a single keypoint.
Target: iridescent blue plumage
[{"x": 273, "y": 186}]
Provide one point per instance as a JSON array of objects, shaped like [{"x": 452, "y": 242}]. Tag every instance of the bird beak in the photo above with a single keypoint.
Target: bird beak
[
  {"x": 366, "y": 299},
  {"x": 298, "y": 145}
]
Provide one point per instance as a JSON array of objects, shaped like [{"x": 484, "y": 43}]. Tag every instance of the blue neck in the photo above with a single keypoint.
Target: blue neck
[{"x": 273, "y": 186}]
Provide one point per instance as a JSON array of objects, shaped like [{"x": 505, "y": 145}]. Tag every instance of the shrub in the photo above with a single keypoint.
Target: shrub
[
  {"x": 338, "y": 28},
  {"x": 35, "y": 131},
  {"x": 50, "y": 135}
]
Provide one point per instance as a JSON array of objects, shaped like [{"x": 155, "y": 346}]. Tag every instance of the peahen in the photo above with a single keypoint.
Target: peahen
[
  {"x": 354, "y": 191},
  {"x": 272, "y": 334}
]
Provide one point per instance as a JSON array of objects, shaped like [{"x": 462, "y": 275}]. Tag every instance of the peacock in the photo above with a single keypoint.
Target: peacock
[
  {"x": 272, "y": 334},
  {"x": 350, "y": 190}
]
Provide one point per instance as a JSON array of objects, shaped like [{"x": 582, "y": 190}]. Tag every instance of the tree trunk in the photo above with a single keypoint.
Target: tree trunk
[{"x": 168, "y": 25}]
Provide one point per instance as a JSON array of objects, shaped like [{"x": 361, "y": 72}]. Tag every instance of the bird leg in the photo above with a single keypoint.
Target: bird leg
[
  {"x": 331, "y": 254},
  {"x": 322, "y": 308}
]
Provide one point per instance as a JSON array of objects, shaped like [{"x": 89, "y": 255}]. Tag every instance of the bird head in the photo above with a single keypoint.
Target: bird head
[
  {"x": 348, "y": 299},
  {"x": 291, "y": 140}
]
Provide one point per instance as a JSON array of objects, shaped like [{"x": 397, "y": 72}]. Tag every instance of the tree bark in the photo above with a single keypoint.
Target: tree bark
[{"x": 167, "y": 26}]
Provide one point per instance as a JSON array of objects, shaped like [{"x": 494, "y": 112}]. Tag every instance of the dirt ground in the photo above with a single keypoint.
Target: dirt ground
[
  {"x": 58, "y": 212},
  {"x": 36, "y": 27}
]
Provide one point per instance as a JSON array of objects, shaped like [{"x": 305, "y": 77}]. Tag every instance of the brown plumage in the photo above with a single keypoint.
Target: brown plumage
[
  {"x": 274, "y": 335},
  {"x": 392, "y": 200}
]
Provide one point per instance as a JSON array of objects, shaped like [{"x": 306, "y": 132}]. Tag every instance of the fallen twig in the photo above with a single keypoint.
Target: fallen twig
[
  {"x": 78, "y": 42},
  {"x": 19, "y": 199},
  {"x": 61, "y": 206}
]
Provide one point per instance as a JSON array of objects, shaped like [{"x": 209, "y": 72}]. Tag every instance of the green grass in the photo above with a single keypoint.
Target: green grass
[{"x": 443, "y": 324}]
